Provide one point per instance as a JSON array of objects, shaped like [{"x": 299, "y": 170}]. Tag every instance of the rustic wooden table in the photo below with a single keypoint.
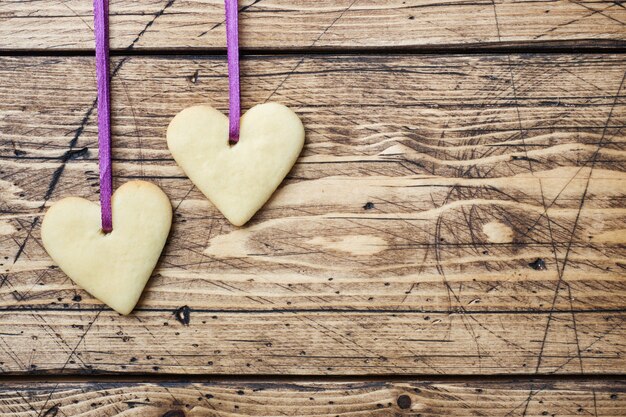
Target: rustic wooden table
[{"x": 451, "y": 242}]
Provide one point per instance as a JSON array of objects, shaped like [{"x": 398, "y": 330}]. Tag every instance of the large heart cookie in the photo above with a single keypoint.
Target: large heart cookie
[
  {"x": 238, "y": 178},
  {"x": 113, "y": 267}
]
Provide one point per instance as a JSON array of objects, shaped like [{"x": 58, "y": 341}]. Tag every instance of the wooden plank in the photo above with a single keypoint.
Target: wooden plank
[
  {"x": 436, "y": 145},
  {"x": 311, "y": 343},
  {"x": 303, "y": 399},
  {"x": 324, "y": 24},
  {"x": 475, "y": 166}
]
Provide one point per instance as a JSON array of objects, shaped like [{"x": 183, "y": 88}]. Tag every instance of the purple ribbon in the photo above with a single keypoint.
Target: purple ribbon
[
  {"x": 101, "y": 27},
  {"x": 232, "y": 48}
]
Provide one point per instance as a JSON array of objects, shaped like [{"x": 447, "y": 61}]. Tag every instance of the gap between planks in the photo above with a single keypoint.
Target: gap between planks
[
  {"x": 607, "y": 47},
  {"x": 456, "y": 310},
  {"x": 279, "y": 378}
]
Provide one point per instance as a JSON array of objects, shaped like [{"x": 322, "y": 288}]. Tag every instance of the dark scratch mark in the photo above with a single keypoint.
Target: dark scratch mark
[
  {"x": 284, "y": 79},
  {"x": 437, "y": 249},
  {"x": 603, "y": 336},
  {"x": 545, "y": 208},
  {"x": 52, "y": 411},
  {"x": 75, "y": 154},
  {"x": 184, "y": 198},
  {"x": 244, "y": 8},
  {"x": 77, "y": 15},
  {"x": 495, "y": 15},
  {"x": 150, "y": 23},
  {"x": 523, "y": 158},
  {"x": 204, "y": 398},
  {"x": 333, "y": 22},
  {"x": 70, "y": 153},
  {"x": 133, "y": 404},
  {"x": 526, "y": 402},
  {"x": 336, "y": 336},
  {"x": 12, "y": 354},
  {"x": 575, "y": 226},
  {"x": 450, "y": 292},
  {"x": 313, "y": 44},
  {"x": 575, "y": 326},
  {"x": 82, "y": 337},
  {"x": 20, "y": 249},
  {"x": 174, "y": 413},
  {"x": 530, "y": 396},
  {"x": 26, "y": 401},
  {"x": 67, "y": 361},
  {"x": 58, "y": 339},
  {"x": 215, "y": 26},
  {"x": 563, "y": 25},
  {"x": 137, "y": 134},
  {"x": 601, "y": 12}
]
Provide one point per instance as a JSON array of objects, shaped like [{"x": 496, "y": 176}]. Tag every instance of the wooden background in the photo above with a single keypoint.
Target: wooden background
[{"x": 452, "y": 240}]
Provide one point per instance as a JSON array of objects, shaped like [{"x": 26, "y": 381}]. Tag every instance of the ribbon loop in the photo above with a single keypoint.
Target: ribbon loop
[
  {"x": 232, "y": 52},
  {"x": 101, "y": 28}
]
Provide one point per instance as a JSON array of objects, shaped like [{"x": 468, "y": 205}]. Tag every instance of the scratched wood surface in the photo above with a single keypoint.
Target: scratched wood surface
[
  {"x": 459, "y": 215},
  {"x": 350, "y": 399},
  {"x": 321, "y": 24},
  {"x": 454, "y": 216}
]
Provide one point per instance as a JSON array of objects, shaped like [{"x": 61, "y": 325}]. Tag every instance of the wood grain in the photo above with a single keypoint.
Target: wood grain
[
  {"x": 323, "y": 24},
  {"x": 311, "y": 343},
  {"x": 458, "y": 182},
  {"x": 405, "y": 240},
  {"x": 307, "y": 399}
]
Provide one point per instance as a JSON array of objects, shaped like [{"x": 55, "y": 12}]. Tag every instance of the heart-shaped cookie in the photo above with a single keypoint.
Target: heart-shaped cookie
[
  {"x": 112, "y": 267},
  {"x": 238, "y": 178}
]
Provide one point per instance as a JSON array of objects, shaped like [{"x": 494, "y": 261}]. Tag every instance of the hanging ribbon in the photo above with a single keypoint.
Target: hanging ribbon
[
  {"x": 232, "y": 47},
  {"x": 101, "y": 28}
]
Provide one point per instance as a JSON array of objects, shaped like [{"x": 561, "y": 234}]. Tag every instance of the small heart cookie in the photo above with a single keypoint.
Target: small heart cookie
[
  {"x": 112, "y": 267},
  {"x": 238, "y": 178}
]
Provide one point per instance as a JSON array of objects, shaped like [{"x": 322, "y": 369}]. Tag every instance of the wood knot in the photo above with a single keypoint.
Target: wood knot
[
  {"x": 194, "y": 78},
  {"x": 183, "y": 315},
  {"x": 404, "y": 402},
  {"x": 498, "y": 232},
  {"x": 538, "y": 265}
]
